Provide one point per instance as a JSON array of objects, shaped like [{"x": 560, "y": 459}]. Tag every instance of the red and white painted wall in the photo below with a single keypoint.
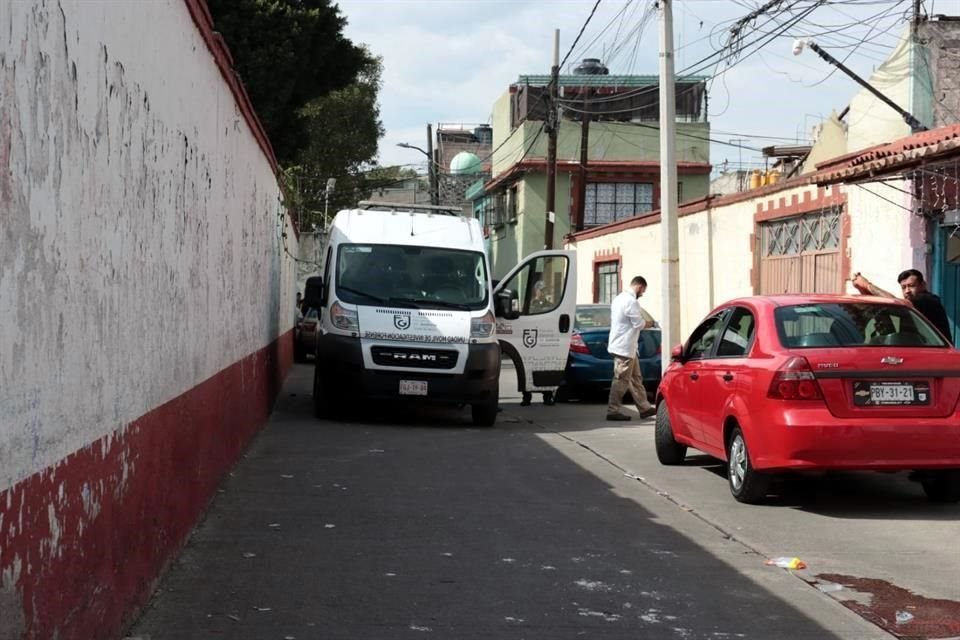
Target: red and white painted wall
[{"x": 146, "y": 300}]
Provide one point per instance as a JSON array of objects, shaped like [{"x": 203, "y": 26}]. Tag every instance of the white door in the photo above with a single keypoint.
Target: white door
[{"x": 535, "y": 306}]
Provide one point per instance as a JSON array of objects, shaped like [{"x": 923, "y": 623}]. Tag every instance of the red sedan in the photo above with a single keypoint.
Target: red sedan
[{"x": 794, "y": 383}]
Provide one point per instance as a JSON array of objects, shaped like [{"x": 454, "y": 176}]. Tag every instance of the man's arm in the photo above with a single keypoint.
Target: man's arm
[
  {"x": 866, "y": 287},
  {"x": 635, "y": 317}
]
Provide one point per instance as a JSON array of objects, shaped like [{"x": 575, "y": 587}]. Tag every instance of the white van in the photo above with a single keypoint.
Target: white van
[{"x": 407, "y": 311}]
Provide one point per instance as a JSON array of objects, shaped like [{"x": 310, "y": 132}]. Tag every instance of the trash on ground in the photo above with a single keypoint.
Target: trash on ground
[
  {"x": 785, "y": 562},
  {"x": 263, "y": 609},
  {"x": 287, "y": 476},
  {"x": 234, "y": 618},
  {"x": 903, "y": 617},
  {"x": 329, "y": 526},
  {"x": 274, "y": 525},
  {"x": 249, "y": 555}
]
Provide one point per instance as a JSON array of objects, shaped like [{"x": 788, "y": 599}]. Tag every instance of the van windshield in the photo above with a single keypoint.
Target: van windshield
[{"x": 420, "y": 277}]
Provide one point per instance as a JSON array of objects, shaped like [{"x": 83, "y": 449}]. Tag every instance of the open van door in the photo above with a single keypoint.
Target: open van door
[{"x": 535, "y": 305}]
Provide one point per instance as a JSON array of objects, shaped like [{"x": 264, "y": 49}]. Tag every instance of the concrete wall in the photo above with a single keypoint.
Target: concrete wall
[
  {"x": 607, "y": 141},
  {"x": 940, "y": 69},
  {"x": 146, "y": 295}
]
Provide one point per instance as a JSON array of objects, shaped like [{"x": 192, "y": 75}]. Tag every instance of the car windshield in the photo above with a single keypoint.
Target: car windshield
[
  {"x": 592, "y": 317},
  {"x": 854, "y": 325},
  {"x": 598, "y": 317},
  {"x": 420, "y": 277}
]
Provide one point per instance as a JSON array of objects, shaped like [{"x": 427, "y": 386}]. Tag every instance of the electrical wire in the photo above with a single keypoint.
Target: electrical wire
[{"x": 582, "y": 29}]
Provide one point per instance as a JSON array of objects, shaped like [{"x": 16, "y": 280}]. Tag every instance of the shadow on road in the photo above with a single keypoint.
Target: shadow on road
[{"x": 377, "y": 530}]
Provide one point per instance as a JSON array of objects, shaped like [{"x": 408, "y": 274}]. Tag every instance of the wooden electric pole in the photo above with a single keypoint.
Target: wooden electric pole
[
  {"x": 580, "y": 213},
  {"x": 432, "y": 168},
  {"x": 553, "y": 126}
]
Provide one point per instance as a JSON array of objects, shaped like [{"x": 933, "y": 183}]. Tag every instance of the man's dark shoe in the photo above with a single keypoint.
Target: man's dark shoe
[
  {"x": 646, "y": 413},
  {"x": 618, "y": 417}
]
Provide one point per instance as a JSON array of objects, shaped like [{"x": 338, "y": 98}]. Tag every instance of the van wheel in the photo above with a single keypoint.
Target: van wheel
[
  {"x": 669, "y": 451},
  {"x": 942, "y": 485},
  {"x": 746, "y": 484},
  {"x": 321, "y": 398},
  {"x": 484, "y": 414}
]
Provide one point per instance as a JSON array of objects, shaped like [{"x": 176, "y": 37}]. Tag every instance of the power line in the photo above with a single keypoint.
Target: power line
[{"x": 582, "y": 29}]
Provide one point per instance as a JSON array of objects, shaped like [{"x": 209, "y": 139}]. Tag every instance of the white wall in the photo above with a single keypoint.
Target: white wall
[
  {"x": 716, "y": 258},
  {"x": 140, "y": 224}
]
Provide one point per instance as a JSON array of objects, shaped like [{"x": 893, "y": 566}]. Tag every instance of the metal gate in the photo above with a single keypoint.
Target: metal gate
[{"x": 801, "y": 254}]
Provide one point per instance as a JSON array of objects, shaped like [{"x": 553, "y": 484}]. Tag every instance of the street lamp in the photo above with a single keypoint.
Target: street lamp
[
  {"x": 431, "y": 169},
  {"x": 798, "y": 46}
]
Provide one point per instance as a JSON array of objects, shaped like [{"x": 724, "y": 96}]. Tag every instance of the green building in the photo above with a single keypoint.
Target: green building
[{"x": 622, "y": 175}]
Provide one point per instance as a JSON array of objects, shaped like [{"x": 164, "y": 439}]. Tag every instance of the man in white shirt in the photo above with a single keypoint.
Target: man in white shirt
[{"x": 626, "y": 322}]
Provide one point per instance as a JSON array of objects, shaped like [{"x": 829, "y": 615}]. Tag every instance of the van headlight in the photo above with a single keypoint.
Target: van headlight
[
  {"x": 483, "y": 326},
  {"x": 344, "y": 319}
]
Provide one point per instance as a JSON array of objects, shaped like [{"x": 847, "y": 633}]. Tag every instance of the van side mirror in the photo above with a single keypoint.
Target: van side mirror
[
  {"x": 676, "y": 354},
  {"x": 506, "y": 305},
  {"x": 313, "y": 292}
]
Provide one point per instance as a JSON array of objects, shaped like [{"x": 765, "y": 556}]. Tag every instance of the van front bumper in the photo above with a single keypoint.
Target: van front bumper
[{"x": 340, "y": 365}]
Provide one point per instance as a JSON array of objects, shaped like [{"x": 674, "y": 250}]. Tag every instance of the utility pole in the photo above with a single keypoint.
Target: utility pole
[
  {"x": 909, "y": 118},
  {"x": 580, "y": 213},
  {"x": 669, "y": 235},
  {"x": 553, "y": 126},
  {"x": 739, "y": 142},
  {"x": 432, "y": 167}
]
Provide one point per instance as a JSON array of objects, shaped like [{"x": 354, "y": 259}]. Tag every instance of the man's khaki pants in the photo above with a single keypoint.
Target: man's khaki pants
[{"x": 626, "y": 377}]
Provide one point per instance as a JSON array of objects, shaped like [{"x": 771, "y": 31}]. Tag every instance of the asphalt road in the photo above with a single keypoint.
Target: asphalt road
[{"x": 405, "y": 524}]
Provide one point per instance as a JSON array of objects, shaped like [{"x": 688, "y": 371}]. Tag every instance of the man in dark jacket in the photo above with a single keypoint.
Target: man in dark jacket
[{"x": 915, "y": 292}]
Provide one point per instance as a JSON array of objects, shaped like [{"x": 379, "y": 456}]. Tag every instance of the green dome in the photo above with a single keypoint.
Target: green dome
[{"x": 465, "y": 163}]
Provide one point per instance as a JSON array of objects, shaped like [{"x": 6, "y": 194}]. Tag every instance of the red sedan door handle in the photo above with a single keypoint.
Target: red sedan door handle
[{"x": 728, "y": 377}]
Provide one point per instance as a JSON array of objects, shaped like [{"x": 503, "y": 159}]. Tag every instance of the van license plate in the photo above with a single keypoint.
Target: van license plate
[
  {"x": 880, "y": 394},
  {"x": 413, "y": 387}
]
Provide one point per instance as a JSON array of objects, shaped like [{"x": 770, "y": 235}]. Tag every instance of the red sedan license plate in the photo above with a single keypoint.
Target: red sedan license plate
[{"x": 890, "y": 394}]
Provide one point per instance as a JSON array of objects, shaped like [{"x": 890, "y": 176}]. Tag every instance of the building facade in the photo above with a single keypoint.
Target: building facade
[{"x": 621, "y": 178}]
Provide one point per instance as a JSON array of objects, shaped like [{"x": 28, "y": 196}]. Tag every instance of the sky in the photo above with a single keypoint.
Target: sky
[{"x": 449, "y": 60}]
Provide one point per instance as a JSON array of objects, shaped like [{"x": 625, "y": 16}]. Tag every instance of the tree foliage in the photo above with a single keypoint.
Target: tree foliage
[{"x": 288, "y": 54}]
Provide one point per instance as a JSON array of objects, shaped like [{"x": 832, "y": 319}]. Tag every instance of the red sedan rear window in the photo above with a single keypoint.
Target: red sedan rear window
[{"x": 854, "y": 325}]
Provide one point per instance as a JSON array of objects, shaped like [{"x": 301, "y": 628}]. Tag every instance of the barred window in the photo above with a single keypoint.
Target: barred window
[{"x": 608, "y": 202}]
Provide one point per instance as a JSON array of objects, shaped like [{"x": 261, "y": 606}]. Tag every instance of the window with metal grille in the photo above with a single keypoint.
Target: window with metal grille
[
  {"x": 812, "y": 232},
  {"x": 607, "y": 278},
  {"x": 608, "y": 201}
]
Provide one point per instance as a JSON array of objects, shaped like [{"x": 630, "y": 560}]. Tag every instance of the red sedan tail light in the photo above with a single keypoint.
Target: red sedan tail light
[
  {"x": 795, "y": 381},
  {"x": 577, "y": 344}
]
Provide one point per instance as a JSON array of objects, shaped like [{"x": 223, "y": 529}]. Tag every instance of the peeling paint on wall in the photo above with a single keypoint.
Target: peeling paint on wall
[{"x": 146, "y": 301}]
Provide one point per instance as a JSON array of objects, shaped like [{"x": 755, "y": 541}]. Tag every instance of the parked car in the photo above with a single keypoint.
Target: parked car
[
  {"x": 306, "y": 336},
  {"x": 798, "y": 383},
  {"x": 589, "y": 366}
]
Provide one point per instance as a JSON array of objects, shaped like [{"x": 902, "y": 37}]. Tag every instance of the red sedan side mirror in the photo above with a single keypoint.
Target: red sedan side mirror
[{"x": 676, "y": 354}]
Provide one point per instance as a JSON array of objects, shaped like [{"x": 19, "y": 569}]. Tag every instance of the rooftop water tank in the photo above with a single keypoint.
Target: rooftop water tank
[{"x": 465, "y": 163}]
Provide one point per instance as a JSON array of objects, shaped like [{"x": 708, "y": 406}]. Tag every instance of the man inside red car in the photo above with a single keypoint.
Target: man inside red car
[
  {"x": 626, "y": 321},
  {"x": 915, "y": 292}
]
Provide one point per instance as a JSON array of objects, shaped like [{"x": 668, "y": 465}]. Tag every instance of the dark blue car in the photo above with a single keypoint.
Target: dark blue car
[{"x": 590, "y": 367}]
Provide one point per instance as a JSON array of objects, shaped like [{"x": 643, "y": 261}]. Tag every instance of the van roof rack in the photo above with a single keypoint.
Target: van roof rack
[{"x": 404, "y": 206}]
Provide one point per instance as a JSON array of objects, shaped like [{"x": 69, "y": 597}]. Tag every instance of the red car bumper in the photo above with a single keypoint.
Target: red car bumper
[{"x": 814, "y": 439}]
